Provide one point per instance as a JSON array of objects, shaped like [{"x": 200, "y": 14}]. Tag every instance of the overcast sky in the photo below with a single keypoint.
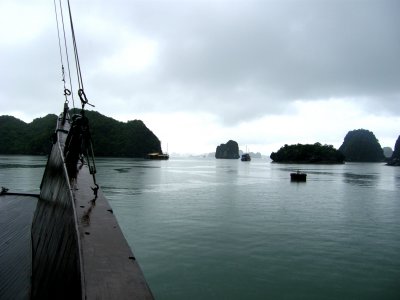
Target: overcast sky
[{"x": 200, "y": 72}]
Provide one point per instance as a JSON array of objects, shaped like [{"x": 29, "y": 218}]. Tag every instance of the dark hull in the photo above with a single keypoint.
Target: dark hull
[
  {"x": 158, "y": 156},
  {"x": 298, "y": 177},
  {"x": 245, "y": 157},
  {"x": 78, "y": 249}
]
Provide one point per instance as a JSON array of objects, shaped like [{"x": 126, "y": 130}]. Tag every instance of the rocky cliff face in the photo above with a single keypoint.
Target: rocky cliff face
[
  {"x": 395, "y": 159},
  {"x": 230, "y": 150},
  {"x": 361, "y": 145}
]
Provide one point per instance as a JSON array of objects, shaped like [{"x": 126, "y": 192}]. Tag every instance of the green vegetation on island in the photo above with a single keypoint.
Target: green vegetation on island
[
  {"x": 361, "y": 145},
  {"x": 110, "y": 137},
  {"x": 308, "y": 154},
  {"x": 18, "y": 137}
]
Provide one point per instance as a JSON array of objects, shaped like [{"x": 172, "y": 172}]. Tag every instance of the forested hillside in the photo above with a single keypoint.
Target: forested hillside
[
  {"x": 110, "y": 137},
  {"x": 115, "y": 138},
  {"x": 18, "y": 137},
  {"x": 316, "y": 153}
]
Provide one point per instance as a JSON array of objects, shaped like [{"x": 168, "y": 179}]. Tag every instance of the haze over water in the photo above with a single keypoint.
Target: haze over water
[{"x": 226, "y": 229}]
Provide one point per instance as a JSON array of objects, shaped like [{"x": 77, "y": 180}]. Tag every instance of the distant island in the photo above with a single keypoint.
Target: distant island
[
  {"x": 308, "y": 154},
  {"x": 388, "y": 152},
  {"x": 361, "y": 145},
  {"x": 230, "y": 150},
  {"x": 395, "y": 158},
  {"x": 111, "y": 137}
]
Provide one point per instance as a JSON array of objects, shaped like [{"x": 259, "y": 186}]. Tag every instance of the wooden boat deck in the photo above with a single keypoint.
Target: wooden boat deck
[
  {"x": 16, "y": 214},
  {"x": 110, "y": 268}
]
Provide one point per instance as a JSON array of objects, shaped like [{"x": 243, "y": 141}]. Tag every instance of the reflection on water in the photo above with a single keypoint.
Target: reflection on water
[
  {"x": 122, "y": 170},
  {"x": 366, "y": 180}
]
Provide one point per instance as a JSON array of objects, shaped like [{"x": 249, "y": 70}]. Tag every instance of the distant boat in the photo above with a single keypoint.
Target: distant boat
[
  {"x": 245, "y": 157},
  {"x": 158, "y": 156},
  {"x": 298, "y": 176}
]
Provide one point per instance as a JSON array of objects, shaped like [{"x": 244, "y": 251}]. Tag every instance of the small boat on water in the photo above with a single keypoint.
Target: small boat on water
[
  {"x": 298, "y": 176},
  {"x": 158, "y": 156},
  {"x": 245, "y": 157}
]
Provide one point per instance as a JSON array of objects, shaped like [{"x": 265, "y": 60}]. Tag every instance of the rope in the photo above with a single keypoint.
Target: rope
[
  {"x": 67, "y": 92},
  {"x": 59, "y": 47},
  {"x": 59, "y": 42},
  {"x": 81, "y": 92},
  {"x": 79, "y": 146}
]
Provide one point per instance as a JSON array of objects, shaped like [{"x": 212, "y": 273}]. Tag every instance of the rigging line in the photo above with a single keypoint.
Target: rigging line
[
  {"x": 59, "y": 46},
  {"x": 81, "y": 91},
  {"x": 67, "y": 56},
  {"x": 78, "y": 66},
  {"x": 84, "y": 101}
]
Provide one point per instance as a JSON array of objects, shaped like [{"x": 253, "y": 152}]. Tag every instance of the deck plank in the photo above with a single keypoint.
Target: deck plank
[{"x": 16, "y": 214}]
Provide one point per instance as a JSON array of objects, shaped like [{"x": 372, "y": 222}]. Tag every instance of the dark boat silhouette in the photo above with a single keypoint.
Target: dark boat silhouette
[
  {"x": 245, "y": 157},
  {"x": 158, "y": 156},
  {"x": 298, "y": 176}
]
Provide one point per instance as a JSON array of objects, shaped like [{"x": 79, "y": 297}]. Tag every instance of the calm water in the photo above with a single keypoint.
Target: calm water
[{"x": 224, "y": 229}]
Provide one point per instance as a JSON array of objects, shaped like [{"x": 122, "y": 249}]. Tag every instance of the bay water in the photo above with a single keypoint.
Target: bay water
[{"x": 224, "y": 229}]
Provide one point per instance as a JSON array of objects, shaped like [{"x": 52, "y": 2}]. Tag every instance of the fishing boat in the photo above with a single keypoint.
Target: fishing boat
[
  {"x": 245, "y": 157},
  {"x": 158, "y": 156},
  {"x": 78, "y": 248},
  {"x": 298, "y": 176}
]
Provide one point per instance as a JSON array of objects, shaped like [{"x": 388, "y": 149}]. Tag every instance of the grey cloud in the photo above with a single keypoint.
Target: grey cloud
[
  {"x": 221, "y": 55},
  {"x": 237, "y": 59},
  {"x": 27, "y": 73},
  {"x": 335, "y": 51}
]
